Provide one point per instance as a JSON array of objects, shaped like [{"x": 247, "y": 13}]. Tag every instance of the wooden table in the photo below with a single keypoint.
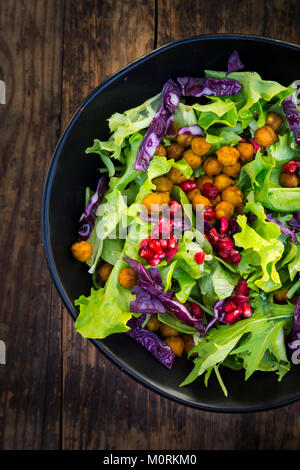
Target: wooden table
[{"x": 57, "y": 390}]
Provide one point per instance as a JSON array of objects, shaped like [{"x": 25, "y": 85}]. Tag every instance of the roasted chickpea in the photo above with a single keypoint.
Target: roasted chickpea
[
  {"x": 161, "y": 151},
  {"x": 153, "y": 323},
  {"x": 166, "y": 330},
  {"x": 176, "y": 176},
  {"x": 224, "y": 209},
  {"x": 188, "y": 343},
  {"x": 82, "y": 250},
  {"x": 199, "y": 199},
  {"x": 127, "y": 278},
  {"x": 215, "y": 201},
  {"x": 204, "y": 179},
  {"x": 274, "y": 120},
  {"x": 163, "y": 184},
  {"x": 200, "y": 146},
  {"x": 246, "y": 151},
  {"x": 233, "y": 194},
  {"x": 222, "y": 182},
  {"x": 192, "y": 159},
  {"x": 184, "y": 139},
  {"x": 281, "y": 297},
  {"x": 154, "y": 201},
  {"x": 212, "y": 166},
  {"x": 104, "y": 272},
  {"x": 176, "y": 344},
  {"x": 289, "y": 181},
  {"x": 228, "y": 156},
  {"x": 172, "y": 130},
  {"x": 191, "y": 194},
  {"x": 175, "y": 151},
  {"x": 265, "y": 136},
  {"x": 233, "y": 170}
]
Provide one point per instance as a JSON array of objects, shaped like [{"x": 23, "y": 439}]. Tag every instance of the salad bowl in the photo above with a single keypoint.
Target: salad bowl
[{"x": 71, "y": 171}]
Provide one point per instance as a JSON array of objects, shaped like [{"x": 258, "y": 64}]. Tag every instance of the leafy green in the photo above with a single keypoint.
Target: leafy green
[{"x": 174, "y": 322}]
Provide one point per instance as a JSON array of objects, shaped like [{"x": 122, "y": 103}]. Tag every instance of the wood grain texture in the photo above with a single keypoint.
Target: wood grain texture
[
  {"x": 57, "y": 390},
  {"x": 30, "y": 57}
]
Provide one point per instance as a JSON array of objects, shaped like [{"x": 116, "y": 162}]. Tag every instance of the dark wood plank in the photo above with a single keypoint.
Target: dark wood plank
[{"x": 30, "y": 58}]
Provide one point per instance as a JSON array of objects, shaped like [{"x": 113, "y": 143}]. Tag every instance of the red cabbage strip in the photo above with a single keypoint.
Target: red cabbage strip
[
  {"x": 285, "y": 230},
  {"x": 208, "y": 86},
  {"x": 294, "y": 222},
  {"x": 150, "y": 297},
  {"x": 234, "y": 63},
  {"x": 295, "y": 335},
  {"x": 191, "y": 130},
  {"x": 88, "y": 217},
  {"x": 292, "y": 115},
  {"x": 150, "y": 341},
  {"x": 159, "y": 125}
]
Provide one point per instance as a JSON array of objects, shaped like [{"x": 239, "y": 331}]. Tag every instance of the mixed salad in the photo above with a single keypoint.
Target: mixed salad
[{"x": 192, "y": 235}]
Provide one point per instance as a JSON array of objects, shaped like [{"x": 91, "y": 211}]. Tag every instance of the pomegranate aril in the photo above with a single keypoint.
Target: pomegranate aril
[
  {"x": 196, "y": 310},
  {"x": 226, "y": 244},
  {"x": 199, "y": 257},
  {"x": 163, "y": 243},
  {"x": 291, "y": 167},
  {"x": 155, "y": 245},
  {"x": 145, "y": 241},
  {"x": 232, "y": 317},
  {"x": 214, "y": 236},
  {"x": 242, "y": 287},
  {"x": 146, "y": 253},
  {"x": 155, "y": 260},
  {"x": 209, "y": 214},
  {"x": 223, "y": 225},
  {"x": 246, "y": 310},
  {"x": 235, "y": 257},
  {"x": 175, "y": 209},
  {"x": 225, "y": 254},
  {"x": 240, "y": 299},
  {"x": 165, "y": 226},
  {"x": 210, "y": 191},
  {"x": 188, "y": 185},
  {"x": 172, "y": 242},
  {"x": 229, "y": 306}
]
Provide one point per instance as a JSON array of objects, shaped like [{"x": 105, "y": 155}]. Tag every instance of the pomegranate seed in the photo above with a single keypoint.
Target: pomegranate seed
[
  {"x": 210, "y": 191},
  {"x": 155, "y": 245},
  {"x": 146, "y": 253},
  {"x": 225, "y": 254},
  {"x": 199, "y": 257},
  {"x": 226, "y": 244},
  {"x": 255, "y": 145},
  {"x": 172, "y": 242},
  {"x": 165, "y": 226},
  {"x": 224, "y": 225},
  {"x": 155, "y": 260},
  {"x": 246, "y": 310},
  {"x": 235, "y": 257},
  {"x": 229, "y": 306},
  {"x": 196, "y": 310},
  {"x": 163, "y": 243},
  {"x": 232, "y": 317},
  {"x": 240, "y": 299},
  {"x": 291, "y": 167},
  {"x": 242, "y": 287},
  {"x": 145, "y": 241},
  {"x": 214, "y": 236},
  {"x": 188, "y": 185},
  {"x": 209, "y": 214},
  {"x": 175, "y": 209}
]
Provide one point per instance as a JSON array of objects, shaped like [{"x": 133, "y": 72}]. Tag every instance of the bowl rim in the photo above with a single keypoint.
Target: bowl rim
[{"x": 45, "y": 227}]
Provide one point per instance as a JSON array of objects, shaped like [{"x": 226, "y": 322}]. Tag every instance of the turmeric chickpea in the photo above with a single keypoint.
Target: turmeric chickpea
[
  {"x": 289, "y": 181},
  {"x": 246, "y": 151},
  {"x": 175, "y": 151},
  {"x": 281, "y": 297},
  {"x": 82, "y": 250},
  {"x": 204, "y": 179},
  {"x": 154, "y": 201},
  {"x": 104, "y": 272},
  {"x": 274, "y": 120},
  {"x": 176, "y": 176},
  {"x": 163, "y": 184},
  {"x": 265, "y": 136},
  {"x": 224, "y": 209},
  {"x": 176, "y": 344},
  {"x": 188, "y": 343},
  {"x": 184, "y": 139},
  {"x": 127, "y": 278},
  {"x": 233, "y": 194},
  {"x": 222, "y": 182},
  {"x": 166, "y": 330},
  {"x": 161, "y": 151},
  {"x": 153, "y": 323},
  {"x": 192, "y": 159},
  {"x": 212, "y": 166},
  {"x": 200, "y": 146},
  {"x": 191, "y": 194},
  {"x": 228, "y": 156},
  {"x": 233, "y": 170},
  {"x": 198, "y": 199}
]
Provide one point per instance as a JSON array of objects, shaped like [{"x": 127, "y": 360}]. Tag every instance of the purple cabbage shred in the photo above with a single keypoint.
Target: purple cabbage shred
[
  {"x": 191, "y": 130},
  {"x": 294, "y": 222},
  {"x": 285, "y": 230},
  {"x": 234, "y": 63},
  {"x": 292, "y": 115},
  {"x": 208, "y": 86}
]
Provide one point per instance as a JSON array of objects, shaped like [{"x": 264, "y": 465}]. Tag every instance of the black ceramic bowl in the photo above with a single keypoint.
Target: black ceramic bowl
[{"x": 71, "y": 171}]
